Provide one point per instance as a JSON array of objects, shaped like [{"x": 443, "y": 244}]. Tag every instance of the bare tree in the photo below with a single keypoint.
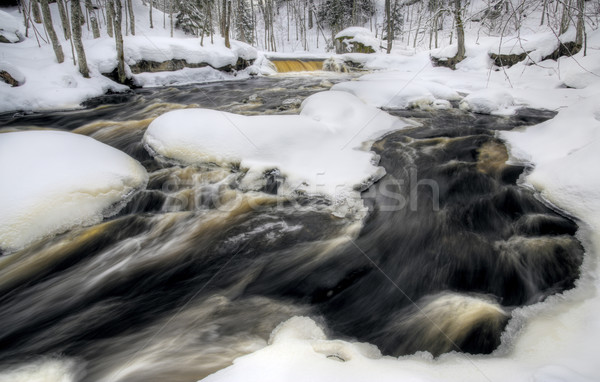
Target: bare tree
[
  {"x": 60, "y": 56},
  {"x": 110, "y": 17},
  {"x": 117, "y": 10},
  {"x": 35, "y": 8},
  {"x": 460, "y": 31},
  {"x": 580, "y": 23},
  {"x": 566, "y": 16},
  {"x": 390, "y": 28},
  {"x": 227, "y": 17},
  {"x": 93, "y": 19},
  {"x": 151, "y": 22},
  {"x": 64, "y": 19},
  {"x": 131, "y": 16},
  {"x": 76, "y": 26}
]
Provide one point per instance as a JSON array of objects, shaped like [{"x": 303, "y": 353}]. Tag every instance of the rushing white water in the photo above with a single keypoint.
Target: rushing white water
[{"x": 176, "y": 288}]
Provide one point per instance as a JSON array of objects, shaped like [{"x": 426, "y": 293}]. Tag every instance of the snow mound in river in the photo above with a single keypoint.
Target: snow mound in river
[
  {"x": 315, "y": 151},
  {"x": 53, "y": 181}
]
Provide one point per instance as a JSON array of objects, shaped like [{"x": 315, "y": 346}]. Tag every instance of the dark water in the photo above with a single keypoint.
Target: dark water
[{"x": 174, "y": 288}]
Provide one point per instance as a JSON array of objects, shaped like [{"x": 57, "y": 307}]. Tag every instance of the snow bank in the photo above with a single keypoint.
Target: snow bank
[
  {"x": 13, "y": 71},
  {"x": 53, "y": 181},
  {"x": 398, "y": 90},
  {"x": 536, "y": 45},
  {"x": 489, "y": 101},
  {"x": 186, "y": 76},
  {"x": 359, "y": 35},
  {"x": 315, "y": 151},
  {"x": 11, "y": 28},
  {"x": 49, "y": 85}
]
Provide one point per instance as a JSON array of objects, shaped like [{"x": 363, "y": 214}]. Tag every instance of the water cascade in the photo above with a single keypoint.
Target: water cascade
[
  {"x": 196, "y": 271},
  {"x": 284, "y": 66}
]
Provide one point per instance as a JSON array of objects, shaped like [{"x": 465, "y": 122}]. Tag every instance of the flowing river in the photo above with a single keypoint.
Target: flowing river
[{"x": 195, "y": 271}]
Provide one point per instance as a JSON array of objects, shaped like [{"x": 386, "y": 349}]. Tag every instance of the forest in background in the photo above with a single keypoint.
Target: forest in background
[{"x": 309, "y": 25}]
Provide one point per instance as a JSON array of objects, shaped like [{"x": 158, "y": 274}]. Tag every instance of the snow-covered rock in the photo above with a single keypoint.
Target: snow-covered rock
[
  {"x": 13, "y": 71},
  {"x": 488, "y": 101},
  {"x": 11, "y": 29},
  {"x": 315, "y": 151},
  {"x": 53, "y": 181},
  {"x": 358, "y": 38},
  {"x": 397, "y": 90}
]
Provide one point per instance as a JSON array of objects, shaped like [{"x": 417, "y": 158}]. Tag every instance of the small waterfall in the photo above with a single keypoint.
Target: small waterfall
[{"x": 284, "y": 66}]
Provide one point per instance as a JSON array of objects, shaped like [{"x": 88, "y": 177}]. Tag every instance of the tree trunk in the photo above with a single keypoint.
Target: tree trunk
[
  {"x": 93, "y": 18},
  {"x": 116, "y": 7},
  {"x": 566, "y": 17},
  {"x": 171, "y": 16},
  {"x": 76, "y": 25},
  {"x": 60, "y": 56},
  {"x": 110, "y": 18},
  {"x": 388, "y": 18},
  {"x": 64, "y": 19},
  {"x": 151, "y": 22},
  {"x": 131, "y": 16},
  {"x": 310, "y": 15},
  {"x": 35, "y": 8},
  {"x": 227, "y": 12},
  {"x": 223, "y": 19},
  {"x": 460, "y": 31},
  {"x": 580, "y": 23}
]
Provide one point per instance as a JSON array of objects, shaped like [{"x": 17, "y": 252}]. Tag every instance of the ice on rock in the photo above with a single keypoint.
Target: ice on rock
[
  {"x": 53, "y": 181},
  {"x": 315, "y": 151}
]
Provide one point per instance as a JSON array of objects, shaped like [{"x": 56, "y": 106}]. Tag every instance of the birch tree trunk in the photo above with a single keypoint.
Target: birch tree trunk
[
  {"x": 227, "y": 23},
  {"x": 131, "y": 16},
  {"x": 117, "y": 7},
  {"x": 460, "y": 30},
  {"x": 76, "y": 25},
  {"x": 110, "y": 17},
  {"x": 93, "y": 18},
  {"x": 580, "y": 23},
  {"x": 35, "y": 8},
  {"x": 60, "y": 56},
  {"x": 388, "y": 18},
  {"x": 64, "y": 19}
]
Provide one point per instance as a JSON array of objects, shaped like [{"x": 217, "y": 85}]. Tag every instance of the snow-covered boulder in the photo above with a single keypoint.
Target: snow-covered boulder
[
  {"x": 53, "y": 181},
  {"x": 489, "y": 101},
  {"x": 398, "y": 91},
  {"x": 357, "y": 40},
  {"x": 10, "y": 74},
  {"x": 314, "y": 151},
  {"x": 11, "y": 29}
]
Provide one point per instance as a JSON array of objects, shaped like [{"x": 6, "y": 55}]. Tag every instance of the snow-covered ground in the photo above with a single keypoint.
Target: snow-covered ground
[{"x": 551, "y": 341}]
